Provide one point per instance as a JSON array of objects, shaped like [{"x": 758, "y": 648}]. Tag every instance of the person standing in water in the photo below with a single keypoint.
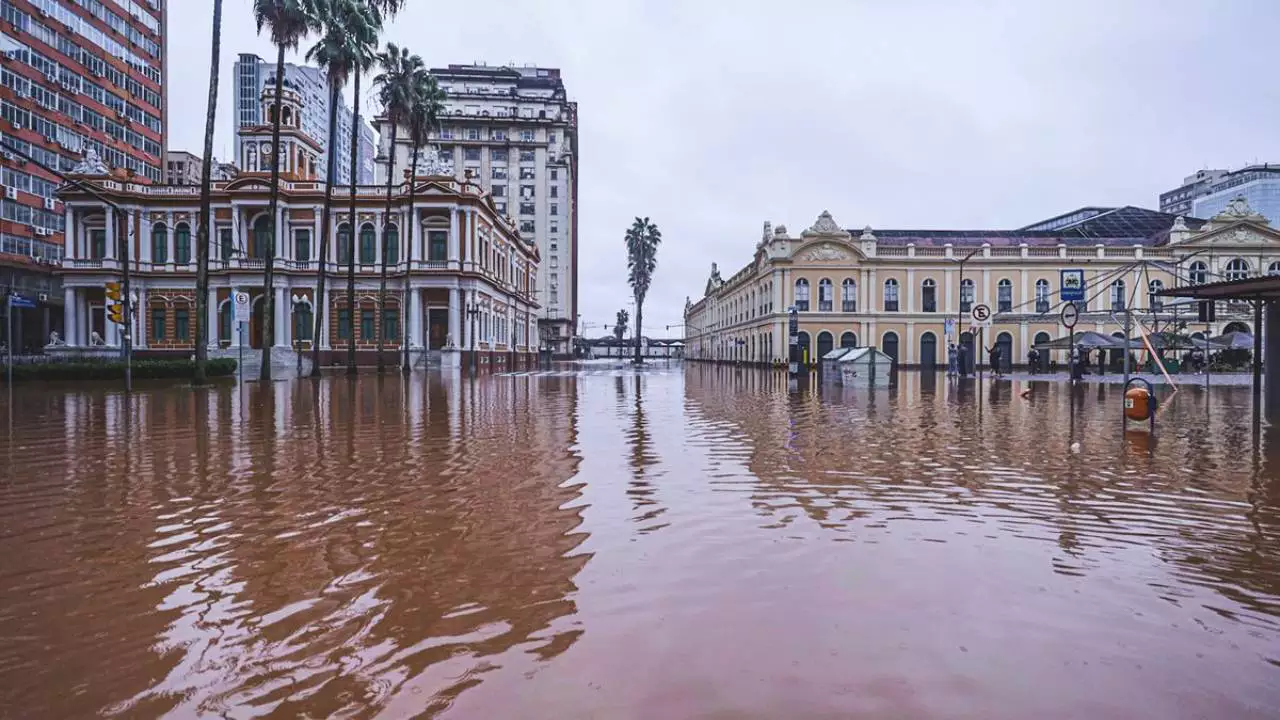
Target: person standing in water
[{"x": 952, "y": 360}]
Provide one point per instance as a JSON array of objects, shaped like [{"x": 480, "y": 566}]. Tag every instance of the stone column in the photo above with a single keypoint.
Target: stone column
[
  {"x": 71, "y": 247},
  {"x": 454, "y": 255},
  {"x": 455, "y": 315},
  {"x": 111, "y": 233},
  {"x": 211, "y": 318},
  {"x": 949, "y": 304},
  {"x": 910, "y": 290},
  {"x": 468, "y": 297},
  {"x": 413, "y": 322},
  {"x": 70, "y": 317},
  {"x": 283, "y": 312},
  {"x": 236, "y": 246}
]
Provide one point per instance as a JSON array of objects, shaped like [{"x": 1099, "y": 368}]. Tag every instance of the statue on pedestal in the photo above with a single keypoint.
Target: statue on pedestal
[
  {"x": 56, "y": 340},
  {"x": 96, "y": 340}
]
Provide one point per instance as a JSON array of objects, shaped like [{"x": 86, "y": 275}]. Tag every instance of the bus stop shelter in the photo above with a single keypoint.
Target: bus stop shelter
[{"x": 1262, "y": 293}]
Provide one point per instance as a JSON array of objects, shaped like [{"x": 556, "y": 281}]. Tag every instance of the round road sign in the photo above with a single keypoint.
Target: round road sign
[
  {"x": 981, "y": 313},
  {"x": 1070, "y": 314}
]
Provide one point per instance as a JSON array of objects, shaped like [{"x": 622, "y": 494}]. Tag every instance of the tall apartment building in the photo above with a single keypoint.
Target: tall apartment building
[
  {"x": 252, "y": 73},
  {"x": 514, "y": 131},
  {"x": 75, "y": 75},
  {"x": 1208, "y": 192}
]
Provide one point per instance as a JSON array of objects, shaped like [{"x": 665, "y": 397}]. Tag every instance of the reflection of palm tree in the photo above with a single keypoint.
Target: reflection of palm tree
[{"x": 642, "y": 458}]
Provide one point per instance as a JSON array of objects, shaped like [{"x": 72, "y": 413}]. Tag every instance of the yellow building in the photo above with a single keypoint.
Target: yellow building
[{"x": 897, "y": 289}]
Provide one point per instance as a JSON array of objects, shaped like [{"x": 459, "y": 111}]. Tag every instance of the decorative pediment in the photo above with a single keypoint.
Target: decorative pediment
[
  {"x": 1238, "y": 234},
  {"x": 827, "y": 252},
  {"x": 249, "y": 183},
  {"x": 825, "y": 226}
]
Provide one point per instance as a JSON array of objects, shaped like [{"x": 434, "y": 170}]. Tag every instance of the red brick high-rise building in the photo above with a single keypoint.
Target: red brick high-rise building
[{"x": 75, "y": 75}]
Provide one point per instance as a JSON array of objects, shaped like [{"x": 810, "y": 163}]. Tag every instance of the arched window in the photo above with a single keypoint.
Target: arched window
[
  {"x": 261, "y": 237},
  {"x": 967, "y": 295},
  {"x": 182, "y": 244},
  {"x": 1198, "y": 273},
  {"x": 392, "y": 249},
  {"x": 848, "y": 296},
  {"x": 848, "y": 340},
  {"x": 1273, "y": 268},
  {"x": 1237, "y": 269},
  {"x": 802, "y": 295},
  {"x": 826, "y": 342},
  {"x": 1004, "y": 295},
  {"x": 929, "y": 295},
  {"x": 826, "y": 295},
  {"x": 159, "y": 243},
  {"x": 1117, "y": 295},
  {"x": 344, "y": 243},
  {"x": 1042, "y": 296},
  {"x": 1154, "y": 301},
  {"x": 891, "y": 295},
  {"x": 368, "y": 244}
]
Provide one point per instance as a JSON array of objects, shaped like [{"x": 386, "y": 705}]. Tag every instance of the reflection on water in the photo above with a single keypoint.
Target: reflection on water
[{"x": 674, "y": 543}]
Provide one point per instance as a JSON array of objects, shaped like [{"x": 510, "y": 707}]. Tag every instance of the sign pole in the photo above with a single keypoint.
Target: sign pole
[{"x": 8, "y": 340}]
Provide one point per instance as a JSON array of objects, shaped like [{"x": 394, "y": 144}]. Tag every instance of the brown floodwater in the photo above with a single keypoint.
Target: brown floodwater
[{"x": 685, "y": 542}]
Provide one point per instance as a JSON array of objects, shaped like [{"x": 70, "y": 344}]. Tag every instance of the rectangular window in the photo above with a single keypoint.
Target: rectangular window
[
  {"x": 366, "y": 325},
  {"x": 500, "y": 135},
  {"x": 437, "y": 245},
  {"x": 526, "y": 192},
  {"x": 500, "y": 190},
  {"x": 471, "y": 154},
  {"x": 526, "y": 226},
  {"x": 526, "y": 136},
  {"x": 182, "y": 244},
  {"x": 528, "y": 156},
  {"x": 344, "y": 324},
  {"x": 157, "y": 324},
  {"x": 302, "y": 245},
  {"x": 160, "y": 245},
  {"x": 391, "y": 324},
  {"x": 555, "y": 209},
  {"x": 527, "y": 208},
  {"x": 472, "y": 134},
  {"x": 344, "y": 245},
  {"x": 555, "y": 175},
  {"x": 97, "y": 244},
  {"x": 182, "y": 324},
  {"x": 555, "y": 189},
  {"x": 498, "y": 173}
]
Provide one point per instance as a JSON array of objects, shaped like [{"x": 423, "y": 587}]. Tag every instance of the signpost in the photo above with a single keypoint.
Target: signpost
[
  {"x": 1071, "y": 286},
  {"x": 14, "y": 301},
  {"x": 241, "y": 320},
  {"x": 1070, "y": 316},
  {"x": 981, "y": 315}
]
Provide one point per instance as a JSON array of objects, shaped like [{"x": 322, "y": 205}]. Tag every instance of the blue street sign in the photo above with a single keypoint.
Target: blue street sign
[
  {"x": 1071, "y": 289},
  {"x": 21, "y": 302}
]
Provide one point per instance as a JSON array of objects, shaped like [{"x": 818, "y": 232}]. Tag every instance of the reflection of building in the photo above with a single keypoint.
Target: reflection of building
[
  {"x": 514, "y": 130},
  {"x": 460, "y": 253},
  {"x": 253, "y": 75},
  {"x": 1208, "y": 192},
  {"x": 895, "y": 289}
]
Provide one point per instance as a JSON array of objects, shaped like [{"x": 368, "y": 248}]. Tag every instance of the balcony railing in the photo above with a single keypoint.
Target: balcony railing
[
  {"x": 1042, "y": 306},
  {"x": 824, "y": 306},
  {"x": 891, "y": 306},
  {"x": 849, "y": 306},
  {"x": 802, "y": 305}
]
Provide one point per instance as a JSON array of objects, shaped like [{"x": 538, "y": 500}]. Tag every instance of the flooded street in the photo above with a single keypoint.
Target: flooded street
[{"x": 683, "y": 542}]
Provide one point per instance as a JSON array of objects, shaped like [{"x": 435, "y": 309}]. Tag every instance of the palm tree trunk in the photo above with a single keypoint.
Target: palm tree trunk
[
  {"x": 408, "y": 233},
  {"x": 269, "y": 267},
  {"x": 321, "y": 301},
  {"x": 204, "y": 230},
  {"x": 639, "y": 321},
  {"x": 351, "y": 260},
  {"x": 382, "y": 278}
]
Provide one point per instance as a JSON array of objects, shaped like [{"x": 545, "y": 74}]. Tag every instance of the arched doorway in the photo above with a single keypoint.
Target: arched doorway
[
  {"x": 1043, "y": 338},
  {"x": 805, "y": 355},
  {"x": 1004, "y": 341},
  {"x": 826, "y": 341},
  {"x": 929, "y": 352},
  {"x": 1237, "y": 327},
  {"x": 889, "y": 346},
  {"x": 848, "y": 340},
  {"x": 255, "y": 322},
  {"x": 966, "y": 342},
  {"x": 1117, "y": 356}
]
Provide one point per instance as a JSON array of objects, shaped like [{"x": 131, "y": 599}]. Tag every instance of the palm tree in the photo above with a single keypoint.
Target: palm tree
[
  {"x": 620, "y": 328},
  {"x": 642, "y": 240},
  {"x": 290, "y": 21},
  {"x": 428, "y": 104},
  {"x": 396, "y": 88},
  {"x": 350, "y": 32},
  {"x": 206, "y": 213}
]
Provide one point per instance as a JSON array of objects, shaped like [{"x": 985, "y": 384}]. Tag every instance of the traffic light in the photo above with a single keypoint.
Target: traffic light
[{"x": 115, "y": 309}]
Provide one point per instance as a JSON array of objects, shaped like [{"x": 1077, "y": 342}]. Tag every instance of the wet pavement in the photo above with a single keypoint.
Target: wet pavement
[{"x": 596, "y": 542}]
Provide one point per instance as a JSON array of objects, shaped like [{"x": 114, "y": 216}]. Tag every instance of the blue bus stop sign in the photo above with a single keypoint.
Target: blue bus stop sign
[
  {"x": 19, "y": 301},
  {"x": 1071, "y": 288}
]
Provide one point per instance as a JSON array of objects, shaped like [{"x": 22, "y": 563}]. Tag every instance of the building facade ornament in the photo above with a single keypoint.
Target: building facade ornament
[
  {"x": 432, "y": 164},
  {"x": 825, "y": 252},
  {"x": 825, "y": 225},
  {"x": 91, "y": 165}
]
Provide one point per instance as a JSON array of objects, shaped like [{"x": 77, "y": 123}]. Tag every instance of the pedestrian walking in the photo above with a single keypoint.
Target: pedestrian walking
[
  {"x": 952, "y": 360},
  {"x": 993, "y": 352}
]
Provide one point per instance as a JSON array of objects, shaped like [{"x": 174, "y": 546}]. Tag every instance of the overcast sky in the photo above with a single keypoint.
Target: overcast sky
[{"x": 712, "y": 117}]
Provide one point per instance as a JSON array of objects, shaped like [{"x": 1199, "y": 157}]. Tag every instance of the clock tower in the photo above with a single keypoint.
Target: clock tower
[{"x": 299, "y": 154}]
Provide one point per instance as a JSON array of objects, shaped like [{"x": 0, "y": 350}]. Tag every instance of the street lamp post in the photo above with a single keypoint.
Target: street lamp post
[{"x": 473, "y": 311}]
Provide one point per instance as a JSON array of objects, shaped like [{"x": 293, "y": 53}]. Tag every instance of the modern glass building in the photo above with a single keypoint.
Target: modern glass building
[{"x": 1258, "y": 184}]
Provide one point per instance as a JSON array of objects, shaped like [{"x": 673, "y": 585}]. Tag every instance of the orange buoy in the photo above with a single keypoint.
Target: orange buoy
[{"x": 1138, "y": 404}]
